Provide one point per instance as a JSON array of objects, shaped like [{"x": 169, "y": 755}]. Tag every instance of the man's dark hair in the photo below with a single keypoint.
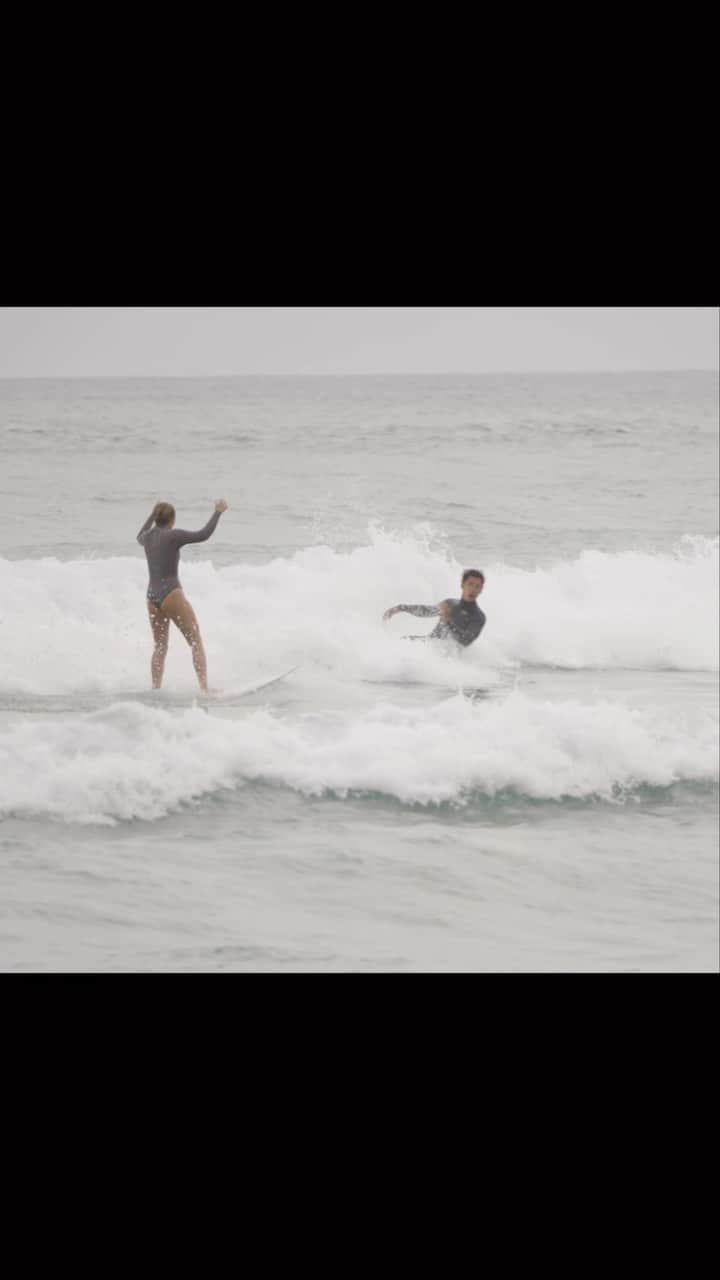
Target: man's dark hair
[{"x": 472, "y": 573}]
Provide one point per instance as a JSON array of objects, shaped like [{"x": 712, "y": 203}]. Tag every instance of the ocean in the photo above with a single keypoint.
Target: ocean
[{"x": 544, "y": 801}]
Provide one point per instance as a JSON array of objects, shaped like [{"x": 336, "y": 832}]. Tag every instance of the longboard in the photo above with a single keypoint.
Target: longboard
[
  {"x": 232, "y": 694},
  {"x": 96, "y": 701}
]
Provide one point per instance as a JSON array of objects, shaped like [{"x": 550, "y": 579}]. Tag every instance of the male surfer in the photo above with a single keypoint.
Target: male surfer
[{"x": 460, "y": 620}]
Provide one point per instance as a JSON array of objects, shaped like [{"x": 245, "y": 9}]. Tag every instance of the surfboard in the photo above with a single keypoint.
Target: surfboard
[
  {"x": 217, "y": 698},
  {"x": 166, "y": 698},
  {"x": 246, "y": 690}
]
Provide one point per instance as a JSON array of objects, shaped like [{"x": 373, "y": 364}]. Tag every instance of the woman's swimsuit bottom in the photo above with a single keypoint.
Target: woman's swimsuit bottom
[{"x": 156, "y": 595}]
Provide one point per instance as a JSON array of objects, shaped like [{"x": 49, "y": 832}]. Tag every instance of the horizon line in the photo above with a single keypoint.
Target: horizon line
[{"x": 439, "y": 373}]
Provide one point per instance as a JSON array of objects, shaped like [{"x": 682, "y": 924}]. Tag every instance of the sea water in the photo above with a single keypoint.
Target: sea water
[{"x": 545, "y": 800}]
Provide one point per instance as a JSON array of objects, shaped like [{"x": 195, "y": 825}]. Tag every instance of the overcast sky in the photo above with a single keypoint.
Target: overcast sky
[{"x": 205, "y": 341}]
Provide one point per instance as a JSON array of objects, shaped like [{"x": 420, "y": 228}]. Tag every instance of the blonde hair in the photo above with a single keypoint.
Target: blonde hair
[{"x": 164, "y": 513}]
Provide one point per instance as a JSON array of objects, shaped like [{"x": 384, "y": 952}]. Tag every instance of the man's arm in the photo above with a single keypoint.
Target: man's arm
[{"x": 418, "y": 610}]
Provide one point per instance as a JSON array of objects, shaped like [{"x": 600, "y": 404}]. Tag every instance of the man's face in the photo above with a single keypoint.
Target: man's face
[{"x": 472, "y": 588}]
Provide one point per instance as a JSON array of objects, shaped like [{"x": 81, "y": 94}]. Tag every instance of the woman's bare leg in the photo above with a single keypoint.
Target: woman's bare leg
[
  {"x": 178, "y": 609},
  {"x": 161, "y": 630}
]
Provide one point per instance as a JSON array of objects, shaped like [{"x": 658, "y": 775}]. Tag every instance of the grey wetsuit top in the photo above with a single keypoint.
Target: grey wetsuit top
[
  {"x": 162, "y": 548},
  {"x": 466, "y": 620}
]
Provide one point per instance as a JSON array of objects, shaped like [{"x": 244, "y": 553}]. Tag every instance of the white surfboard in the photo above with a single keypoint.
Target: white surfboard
[
  {"x": 96, "y": 700},
  {"x": 215, "y": 698},
  {"x": 226, "y": 695}
]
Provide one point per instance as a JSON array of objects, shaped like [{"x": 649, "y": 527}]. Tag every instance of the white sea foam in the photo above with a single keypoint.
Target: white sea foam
[
  {"x": 81, "y": 625},
  {"x": 132, "y": 761}
]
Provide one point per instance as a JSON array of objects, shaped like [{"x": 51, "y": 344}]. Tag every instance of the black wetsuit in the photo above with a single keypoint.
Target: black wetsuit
[
  {"x": 162, "y": 548},
  {"x": 466, "y": 620}
]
